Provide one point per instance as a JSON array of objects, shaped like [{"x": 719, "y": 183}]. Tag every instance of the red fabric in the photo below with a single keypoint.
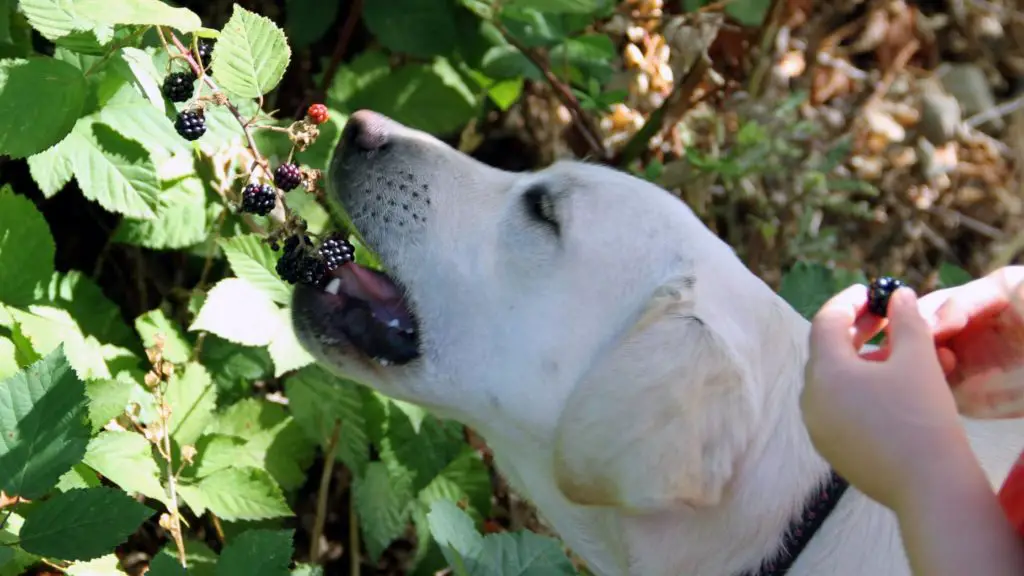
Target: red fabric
[{"x": 1011, "y": 495}]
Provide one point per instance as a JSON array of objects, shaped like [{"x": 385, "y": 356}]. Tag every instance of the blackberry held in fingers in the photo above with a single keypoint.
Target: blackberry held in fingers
[
  {"x": 258, "y": 199},
  {"x": 336, "y": 251},
  {"x": 879, "y": 292},
  {"x": 190, "y": 125},
  {"x": 287, "y": 177},
  {"x": 179, "y": 86}
]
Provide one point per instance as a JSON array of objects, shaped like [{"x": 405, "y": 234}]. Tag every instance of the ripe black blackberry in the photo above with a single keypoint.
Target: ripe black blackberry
[
  {"x": 336, "y": 251},
  {"x": 179, "y": 86},
  {"x": 297, "y": 266},
  {"x": 190, "y": 125},
  {"x": 205, "y": 49},
  {"x": 258, "y": 199},
  {"x": 879, "y": 292},
  {"x": 287, "y": 177}
]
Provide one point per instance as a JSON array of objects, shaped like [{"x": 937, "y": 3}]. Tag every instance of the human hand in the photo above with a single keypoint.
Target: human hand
[{"x": 887, "y": 425}]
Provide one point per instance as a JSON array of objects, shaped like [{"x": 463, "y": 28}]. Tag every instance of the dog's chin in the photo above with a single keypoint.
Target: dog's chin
[{"x": 358, "y": 314}]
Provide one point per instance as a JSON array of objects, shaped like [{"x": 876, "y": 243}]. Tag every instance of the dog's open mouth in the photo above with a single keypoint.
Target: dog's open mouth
[{"x": 370, "y": 310}]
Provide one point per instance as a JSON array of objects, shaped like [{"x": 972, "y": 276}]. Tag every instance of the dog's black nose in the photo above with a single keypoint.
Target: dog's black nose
[{"x": 366, "y": 130}]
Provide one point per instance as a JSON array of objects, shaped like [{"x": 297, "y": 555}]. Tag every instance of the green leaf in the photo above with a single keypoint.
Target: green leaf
[
  {"x": 60, "y": 20},
  {"x": 51, "y": 170},
  {"x": 180, "y": 220},
  {"x": 318, "y": 399},
  {"x": 423, "y": 453},
  {"x": 237, "y": 494},
  {"x": 9, "y": 365},
  {"x": 806, "y": 286},
  {"x": 257, "y": 553},
  {"x": 421, "y": 28},
  {"x": 308, "y": 570},
  {"x": 455, "y": 533},
  {"x": 48, "y": 327},
  {"x": 96, "y": 314},
  {"x": 433, "y": 98},
  {"x": 112, "y": 171},
  {"x": 234, "y": 367},
  {"x": 40, "y": 101},
  {"x": 285, "y": 349},
  {"x": 522, "y": 553},
  {"x": 82, "y": 524},
  {"x": 382, "y": 502},
  {"x": 155, "y": 323},
  {"x": 748, "y": 12},
  {"x": 140, "y": 13},
  {"x": 147, "y": 77},
  {"x": 950, "y": 275},
  {"x": 467, "y": 479},
  {"x": 42, "y": 426},
  {"x": 192, "y": 398},
  {"x": 308, "y": 20},
  {"x": 25, "y": 246},
  {"x": 201, "y": 561},
  {"x": 106, "y": 565},
  {"x": 239, "y": 312},
  {"x": 252, "y": 259},
  {"x": 137, "y": 120},
  {"x": 108, "y": 399},
  {"x": 126, "y": 459},
  {"x": 365, "y": 68},
  {"x": 560, "y": 6},
  {"x": 251, "y": 55},
  {"x": 80, "y": 476},
  {"x": 166, "y": 565}
]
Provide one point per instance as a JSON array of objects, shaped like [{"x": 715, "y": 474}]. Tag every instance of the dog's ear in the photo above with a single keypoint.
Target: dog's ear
[{"x": 664, "y": 419}]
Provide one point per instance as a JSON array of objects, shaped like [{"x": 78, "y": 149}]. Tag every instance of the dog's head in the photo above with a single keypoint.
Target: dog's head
[{"x": 578, "y": 305}]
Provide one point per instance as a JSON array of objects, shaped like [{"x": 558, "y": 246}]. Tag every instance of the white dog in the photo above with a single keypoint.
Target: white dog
[{"x": 633, "y": 378}]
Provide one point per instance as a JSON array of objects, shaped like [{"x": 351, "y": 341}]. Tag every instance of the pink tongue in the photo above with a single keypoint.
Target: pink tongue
[{"x": 366, "y": 284}]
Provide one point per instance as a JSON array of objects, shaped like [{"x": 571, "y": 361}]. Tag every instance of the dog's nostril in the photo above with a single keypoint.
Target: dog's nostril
[{"x": 366, "y": 130}]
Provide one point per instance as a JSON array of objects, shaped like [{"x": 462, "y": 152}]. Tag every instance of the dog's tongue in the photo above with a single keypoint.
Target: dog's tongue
[{"x": 367, "y": 284}]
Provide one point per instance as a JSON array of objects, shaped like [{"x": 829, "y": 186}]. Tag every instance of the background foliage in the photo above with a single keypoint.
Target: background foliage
[{"x": 156, "y": 410}]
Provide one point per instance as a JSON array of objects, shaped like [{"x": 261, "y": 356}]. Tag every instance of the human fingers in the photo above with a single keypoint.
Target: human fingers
[
  {"x": 833, "y": 328},
  {"x": 947, "y": 358},
  {"x": 910, "y": 336},
  {"x": 954, "y": 308}
]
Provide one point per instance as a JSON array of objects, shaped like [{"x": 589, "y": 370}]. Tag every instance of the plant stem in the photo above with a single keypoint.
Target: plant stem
[
  {"x": 172, "y": 487},
  {"x": 322, "y": 493}
]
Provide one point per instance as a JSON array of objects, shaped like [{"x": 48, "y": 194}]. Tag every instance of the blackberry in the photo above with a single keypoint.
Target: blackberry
[
  {"x": 287, "y": 177},
  {"x": 258, "y": 199},
  {"x": 297, "y": 266},
  {"x": 190, "y": 125},
  {"x": 879, "y": 292},
  {"x": 205, "y": 50},
  {"x": 179, "y": 86},
  {"x": 336, "y": 251},
  {"x": 318, "y": 113}
]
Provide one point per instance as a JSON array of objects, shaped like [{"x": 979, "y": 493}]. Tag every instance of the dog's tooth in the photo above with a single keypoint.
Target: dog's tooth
[
  {"x": 393, "y": 323},
  {"x": 333, "y": 287}
]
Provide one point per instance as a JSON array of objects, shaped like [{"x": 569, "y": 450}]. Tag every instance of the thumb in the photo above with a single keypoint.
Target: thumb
[{"x": 909, "y": 332}]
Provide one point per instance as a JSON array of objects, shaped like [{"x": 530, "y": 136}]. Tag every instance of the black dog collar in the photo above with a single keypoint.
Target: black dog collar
[{"x": 803, "y": 528}]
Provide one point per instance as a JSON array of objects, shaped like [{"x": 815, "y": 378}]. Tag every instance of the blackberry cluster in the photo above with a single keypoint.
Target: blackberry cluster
[
  {"x": 287, "y": 177},
  {"x": 205, "y": 49},
  {"x": 190, "y": 125},
  {"x": 318, "y": 113},
  {"x": 879, "y": 292},
  {"x": 258, "y": 199},
  {"x": 296, "y": 266},
  {"x": 179, "y": 86},
  {"x": 336, "y": 251}
]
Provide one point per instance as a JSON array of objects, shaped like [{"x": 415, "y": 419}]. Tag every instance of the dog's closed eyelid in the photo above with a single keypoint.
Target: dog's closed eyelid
[{"x": 540, "y": 205}]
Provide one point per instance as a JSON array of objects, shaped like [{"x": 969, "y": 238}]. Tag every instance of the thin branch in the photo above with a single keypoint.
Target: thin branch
[
  {"x": 1004, "y": 109},
  {"x": 766, "y": 54},
  {"x": 355, "y": 563},
  {"x": 322, "y": 493},
  {"x": 581, "y": 121}
]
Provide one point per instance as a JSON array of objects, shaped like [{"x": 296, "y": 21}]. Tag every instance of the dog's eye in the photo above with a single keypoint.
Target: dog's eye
[{"x": 541, "y": 206}]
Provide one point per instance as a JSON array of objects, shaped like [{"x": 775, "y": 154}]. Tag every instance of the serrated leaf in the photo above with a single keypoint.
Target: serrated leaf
[
  {"x": 25, "y": 246},
  {"x": 80, "y": 476},
  {"x": 421, "y": 28},
  {"x": 806, "y": 287},
  {"x": 192, "y": 398},
  {"x": 108, "y": 399},
  {"x": 201, "y": 561},
  {"x": 317, "y": 399},
  {"x": 9, "y": 364},
  {"x": 126, "y": 459},
  {"x": 40, "y": 101},
  {"x": 433, "y": 98},
  {"x": 522, "y": 553},
  {"x": 308, "y": 570},
  {"x": 308, "y": 20},
  {"x": 382, "y": 502},
  {"x": 466, "y": 479},
  {"x": 239, "y": 312},
  {"x": 107, "y": 565},
  {"x": 61, "y": 20},
  {"x": 94, "y": 313},
  {"x": 139, "y": 121},
  {"x": 165, "y": 565},
  {"x": 253, "y": 260},
  {"x": 285, "y": 349},
  {"x": 51, "y": 170},
  {"x": 257, "y": 552},
  {"x": 146, "y": 75},
  {"x": 155, "y": 324},
  {"x": 42, "y": 426},
  {"x": 112, "y": 171},
  {"x": 82, "y": 524},
  {"x": 140, "y": 13},
  {"x": 48, "y": 327},
  {"x": 423, "y": 453},
  {"x": 180, "y": 220},
  {"x": 560, "y": 6},
  {"x": 251, "y": 55},
  {"x": 455, "y": 533},
  {"x": 234, "y": 367},
  {"x": 237, "y": 494}
]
